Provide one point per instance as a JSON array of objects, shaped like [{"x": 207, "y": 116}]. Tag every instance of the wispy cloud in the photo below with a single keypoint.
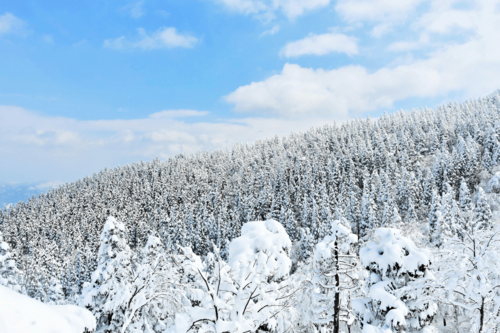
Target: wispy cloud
[
  {"x": 48, "y": 39},
  {"x": 267, "y": 9},
  {"x": 403, "y": 46},
  {"x": 46, "y": 185},
  {"x": 9, "y": 24},
  {"x": 383, "y": 14},
  {"x": 67, "y": 148},
  {"x": 134, "y": 9},
  {"x": 178, "y": 114},
  {"x": 274, "y": 30},
  {"x": 162, "y": 38},
  {"x": 321, "y": 45}
]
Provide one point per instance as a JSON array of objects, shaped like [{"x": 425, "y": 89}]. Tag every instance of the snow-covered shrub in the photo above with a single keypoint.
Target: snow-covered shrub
[
  {"x": 398, "y": 295},
  {"x": 158, "y": 285},
  {"x": 469, "y": 275},
  {"x": 263, "y": 250},
  {"x": 250, "y": 293},
  {"x": 212, "y": 296},
  {"x": 261, "y": 262},
  {"x": 494, "y": 183}
]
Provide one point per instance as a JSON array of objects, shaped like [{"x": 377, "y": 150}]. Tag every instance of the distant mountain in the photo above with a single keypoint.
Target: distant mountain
[{"x": 12, "y": 193}]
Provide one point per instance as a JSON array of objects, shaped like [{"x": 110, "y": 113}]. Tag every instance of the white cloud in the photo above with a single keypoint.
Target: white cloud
[
  {"x": 295, "y": 8},
  {"x": 296, "y": 98},
  {"x": 470, "y": 67},
  {"x": 298, "y": 91},
  {"x": 472, "y": 21},
  {"x": 266, "y": 9},
  {"x": 455, "y": 17},
  {"x": 376, "y": 10},
  {"x": 245, "y": 6},
  {"x": 171, "y": 136},
  {"x": 402, "y": 46},
  {"x": 162, "y": 38},
  {"x": 10, "y": 24},
  {"x": 46, "y": 185},
  {"x": 134, "y": 9},
  {"x": 274, "y": 30},
  {"x": 66, "y": 148},
  {"x": 321, "y": 45},
  {"x": 178, "y": 114},
  {"x": 385, "y": 14}
]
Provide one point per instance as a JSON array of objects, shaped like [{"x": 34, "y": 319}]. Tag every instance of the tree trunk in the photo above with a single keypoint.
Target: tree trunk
[
  {"x": 481, "y": 316},
  {"x": 336, "y": 304}
]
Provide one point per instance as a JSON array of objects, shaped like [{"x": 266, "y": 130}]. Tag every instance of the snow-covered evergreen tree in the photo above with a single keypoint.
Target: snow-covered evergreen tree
[
  {"x": 464, "y": 196},
  {"x": 9, "y": 273},
  {"x": 107, "y": 294},
  {"x": 482, "y": 211},
  {"x": 305, "y": 246},
  {"x": 335, "y": 278}
]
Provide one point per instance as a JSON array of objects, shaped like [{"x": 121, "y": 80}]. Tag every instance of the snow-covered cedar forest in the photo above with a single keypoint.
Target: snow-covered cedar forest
[{"x": 386, "y": 225}]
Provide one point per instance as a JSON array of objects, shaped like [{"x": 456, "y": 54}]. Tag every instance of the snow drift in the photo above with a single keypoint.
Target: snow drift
[{"x": 19, "y": 313}]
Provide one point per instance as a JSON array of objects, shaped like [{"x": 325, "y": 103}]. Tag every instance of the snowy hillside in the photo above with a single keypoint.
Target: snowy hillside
[{"x": 387, "y": 225}]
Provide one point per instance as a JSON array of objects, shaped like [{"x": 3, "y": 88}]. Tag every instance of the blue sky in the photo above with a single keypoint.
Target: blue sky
[{"x": 97, "y": 84}]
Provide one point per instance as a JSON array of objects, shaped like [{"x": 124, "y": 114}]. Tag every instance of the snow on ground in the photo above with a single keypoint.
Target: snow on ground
[{"x": 21, "y": 314}]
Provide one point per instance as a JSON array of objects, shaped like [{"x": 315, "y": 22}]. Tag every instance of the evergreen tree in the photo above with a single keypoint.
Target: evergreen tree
[
  {"x": 366, "y": 211},
  {"x": 487, "y": 160},
  {"x": 335, "y": 277},
  {"x": 482, "y": 211},
  {"x": 411, "y": 214},
  {"x": 447, "y": 203},
  {"x": 434, "y": 216},
  {"x": 104, "y": 296},
  {"x": 292, "y": 228},
  {"x": 306, "y": 245},
  {"x": 464, "y": 197},
  {"x": 9, "y": 273}
]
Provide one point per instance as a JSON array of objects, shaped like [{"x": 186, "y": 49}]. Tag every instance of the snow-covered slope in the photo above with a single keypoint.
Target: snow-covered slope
[{"x": 21, "y": 314}]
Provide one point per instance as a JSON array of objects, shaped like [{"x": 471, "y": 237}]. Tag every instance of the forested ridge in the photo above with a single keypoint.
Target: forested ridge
[{"x": 429, "y": 173}]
